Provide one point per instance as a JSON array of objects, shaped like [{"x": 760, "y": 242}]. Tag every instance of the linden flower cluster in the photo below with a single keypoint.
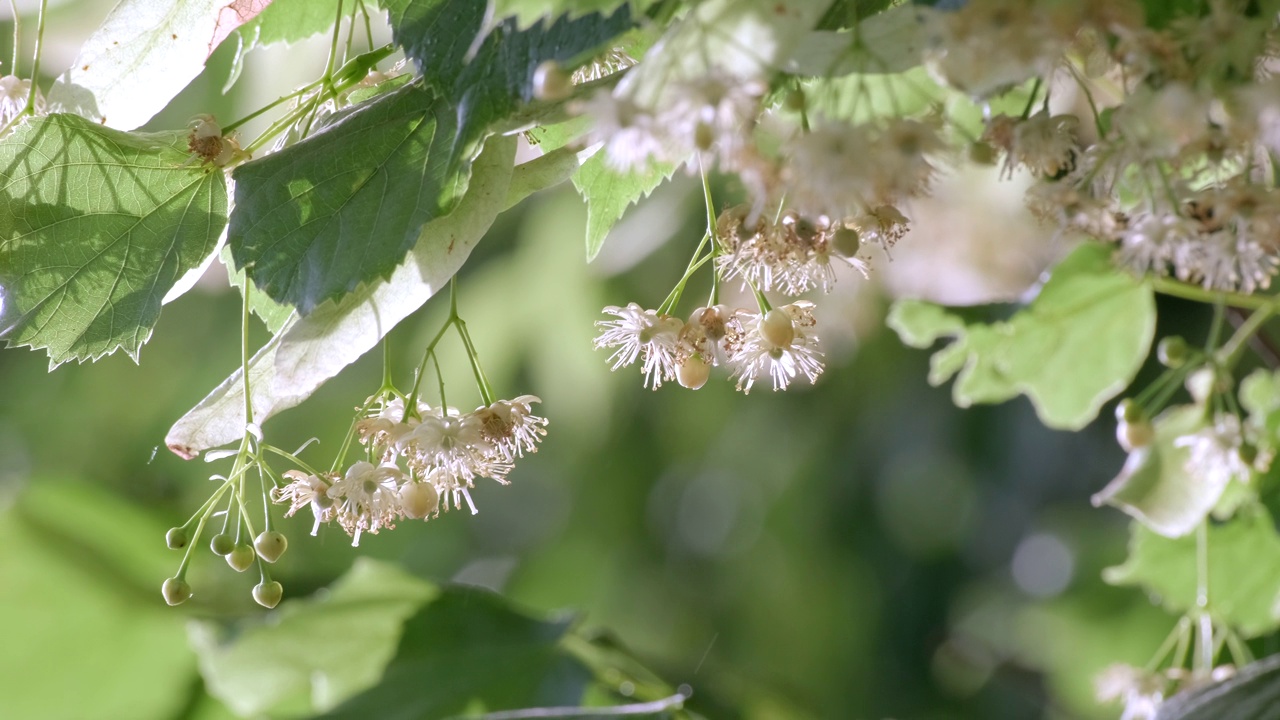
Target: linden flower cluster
[
  {"x": 423, "y": 462},
  {"x": 778, "y": 343}
]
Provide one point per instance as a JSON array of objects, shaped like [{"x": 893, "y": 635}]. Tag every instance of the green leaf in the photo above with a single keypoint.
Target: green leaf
[
  {"x": 144, "y": 54},
  {"x": 313, "y": 349},
  {"x": 80, "y": 583},
  {"x": 1155, "y": 487},
  {"x": 1244, "y": 571},
  {"x": 271, "y": 313},
  {"x": 1260, "y": 395},
  {"x": 540, "y": 173},
  {"x": 609, "y": 193},
  {"x": 891, "y": 41},
  {"x": 100, "y": 225},
  {"x": 283, "y": 21},
  {"x": 528, "y": 12},
  {"x": 313, "y": 653},
  {"x": 1073, "y": 348},
  {"x": 1253, "y": 693},
  {"x": 489, "y": 81},
  {"x": 469, "y": 652},
  {"x": 318, "y": 219}
]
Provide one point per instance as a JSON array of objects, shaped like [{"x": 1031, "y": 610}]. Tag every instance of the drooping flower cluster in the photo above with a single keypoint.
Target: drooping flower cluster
[
  {"x": 779, "y": 343},
  {"x": 423, "y": 462}
]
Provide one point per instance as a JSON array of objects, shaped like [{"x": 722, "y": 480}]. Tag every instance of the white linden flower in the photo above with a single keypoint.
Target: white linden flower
[
  {"x": 388, "y": 425},
  {"x": 711, "y": 113},
  {"x": 1215, "y": 452},
  {"x": 792, "y": 257},
  {"x": 305, "y": 490},
  {"x": 1140, "y": 691},
  {"x": 642, "y": 334},
  {"x": 510, "y": 427},
  {"x": 779, "y": 343},
  {"x": 14, "y": 93},
  {"x": 1047, "y": 145},
  {"x": 632, "y": 136},
  {"x": 454, "y": 444},
  {"x": 366, "y": 498}
]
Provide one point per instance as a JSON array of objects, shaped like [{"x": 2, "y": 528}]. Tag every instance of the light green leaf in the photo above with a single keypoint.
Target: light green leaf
[
  {"x": 540, "y": 173},
  {"x": 145, "y": 52},
  {"x": 1244, "y": 571},
  {"x": 315, "y": 348},
  {"x": 1155, "y": 487},
  {"x": 1073, "y": 348},
  {"x": 271, "y": 313},
  {"x": 1252, "y": 693},
  {"x": 80, "y": 588},
  {"x": 1260, "y": 395},
  {"x": 283, "y": 21},
  {"x": 609, "y": 193},
  {"x": 99, "y": 225},
  {"x": 888, "y": 42},
  {"x": 312, "y": 653}
]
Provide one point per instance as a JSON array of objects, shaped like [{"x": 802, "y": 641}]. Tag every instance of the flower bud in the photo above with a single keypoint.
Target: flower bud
[
  {"x": 1172, "y": 351},
  {"x": 221, "y": 544},
  {"x": 693, "y": 372},
  {"x": 981, "y": 153},
  {"x": 175, "y": 591},
  {"x": 551, "y": 82},
  {"x": 270, "y": 545},
  {"x": 1203, "y": 383},
  {"x": 794, "y": 100},
  {"x": 846, "y": 242},
  {"x": 241, "y": 557},
  {"x": 1248, "y": 453},
  {"x": 1128, "y": 410},
  {"x": 268, "y": 593},
  {"x": 419, "y": 499},
  {"x": 704, "y": 136},
  {"x": 1134, "y": 435},
  {"x": 776, "y": 328},
  {"x": 176, "y": 538}
]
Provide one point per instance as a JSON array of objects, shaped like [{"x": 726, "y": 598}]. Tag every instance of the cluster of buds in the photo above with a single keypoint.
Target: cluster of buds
[
  {"x": 426, "y": 460},
  {"x": 779, "y": 343}
]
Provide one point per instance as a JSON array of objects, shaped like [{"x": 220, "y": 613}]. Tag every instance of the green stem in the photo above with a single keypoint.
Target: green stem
[
  {"x": 411, "y": 404},
  {"x": 1179, "y": 289},
  {"x": 17, "y": 36},
  {"x": 444, "y": 402},
  {"x": 1232, "y": 350},
  {"x": 368, "y": 30},
  {"x": 265, "y": 108},
  {"x": 1178, "y": 631},
  {"x": 291, "y": 458},
  {"x": 696, "y": 261},
  {"x": 333, "y": 48},
  {"x": 244, "y": 354},
  {"x": 761, "y": 301},
  {"x": 1031, "y": 100},
  {"x": 30, "y": 109},
  {"x": 195, "y": 539},
  {"x": 482, "y": 381}
]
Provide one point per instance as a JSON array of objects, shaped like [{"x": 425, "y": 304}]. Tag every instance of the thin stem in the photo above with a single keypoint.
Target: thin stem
[
  {"x": 1179, "y": 629},
  {"x": 412, "y": 403},
  {"x": 1175, "y": 288},
  {"x": 1231, "y": 351},
  {"x": 333, "y": 47},
  {"x": 761, "y": 301},
  {"x": 276, "y": 103},
  {"x": 291, "y": 458},
  {"x": 482, "y": 381},
  {"x": 386, "y": 365},
  {"x": 1202, "y": 566},
  {"x": 17, "y": 37},
  {"x": 30, "y": 109},
  {"x": 444, "y": 402},
  {"x": 695, "y": 262},
  {"x": 1215, "y": 327},
  {"x": 244, "y": 354},
  {"x": 195, "y": 539},
  {"x": 368, "y": 30},
  {"x": 646, "y": 708},
  {"x": 1031, "y": 99},
  {"x": 1184, "y": 643}
]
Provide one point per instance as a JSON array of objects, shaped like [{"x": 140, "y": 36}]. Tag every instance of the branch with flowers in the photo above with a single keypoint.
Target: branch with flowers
[{"x": 1147, "y": 134}]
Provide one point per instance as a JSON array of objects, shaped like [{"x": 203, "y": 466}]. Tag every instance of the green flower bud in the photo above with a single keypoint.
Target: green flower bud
[
  {"x": 241, "y": 557},
  {"x": 1134, "y": 435},
  {"x": 1129, "y": 411},
  {"x": 176, "y": 538},
  {"x": 221, "y": 544},
  {"x": 846, "y": 242},
  {"x": 1172, "y": 351},
  {"x": 175, "y": 591},
  {"x": 270, "y": 545},
  {"x": 794, "y": 100},
  {"x": 981, "y": 153},
  {"x": 551, "y": 82},
  {"x": 268, "y": 593}
]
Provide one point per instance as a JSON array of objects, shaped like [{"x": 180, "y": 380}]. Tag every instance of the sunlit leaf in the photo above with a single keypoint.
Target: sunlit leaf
[
  {"x": 528, "y": 12},
  {"x": 609, "y": 193},
  {"x": 1243, "y": 564},
  {"x": 283, "y": 21},
  {"x": 1073, "y": 348},
  {"x": 272, "y": 314},
  {"x": 1154, "y": 485},
  {"x": 312, "y": 653},
  {"x": 341, "y": 208},
  {"x": 99, "y": 225},
  {"x": 145, "y": 52},
  {"x": 313, "y": 349}
]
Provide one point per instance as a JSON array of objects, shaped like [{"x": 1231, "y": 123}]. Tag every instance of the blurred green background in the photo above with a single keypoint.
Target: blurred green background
[{"x": 859, "y": 549}]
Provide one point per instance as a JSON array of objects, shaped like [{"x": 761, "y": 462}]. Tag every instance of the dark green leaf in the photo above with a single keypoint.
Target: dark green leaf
[
  {"x": 609, "y": 193},
  {"x": 98, "y": 226},
  {"x": 492, "y": 84},
  {"x": 1253, "y": 693},
  {"x": 468, "y": 651},
  {"x": 341, "y": 208}
]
